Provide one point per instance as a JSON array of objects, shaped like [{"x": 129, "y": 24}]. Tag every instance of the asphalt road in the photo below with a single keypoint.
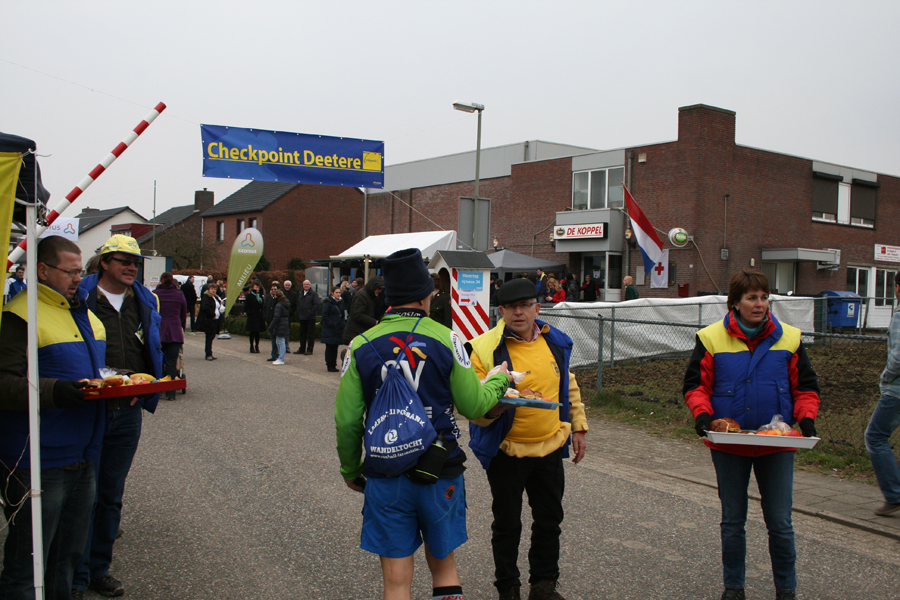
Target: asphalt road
[{"x": 235, "y": 493}]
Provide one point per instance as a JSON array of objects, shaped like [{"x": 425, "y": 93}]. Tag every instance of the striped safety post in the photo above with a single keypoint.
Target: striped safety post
[
  {"x": 97, "y": 171},
  {"x": 470, "y": 321}
]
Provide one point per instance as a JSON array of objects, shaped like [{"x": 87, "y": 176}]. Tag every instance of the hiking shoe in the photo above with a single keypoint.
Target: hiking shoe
[
  {"x": 785, "y": 595},
  {"x": 511, "y": 594},
  {"x": 544, "y": 590},
  {"x": 77, "y": 595},
  {"x": 733, "y": 594},
  {"x": 887, "y": 509},
  {"x": 278, "y": 362},
  {"x": 107, "y": 586}
]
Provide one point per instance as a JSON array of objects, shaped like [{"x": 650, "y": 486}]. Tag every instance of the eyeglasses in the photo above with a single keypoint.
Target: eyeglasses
[
  {"x": 127, "y": 262},
  {"x": 73, "y": 273}
]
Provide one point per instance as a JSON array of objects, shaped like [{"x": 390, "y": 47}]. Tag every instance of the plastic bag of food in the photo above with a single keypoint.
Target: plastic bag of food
[
  {"x": 516, "y": 376},
  {"x": 776, "y": 423}
]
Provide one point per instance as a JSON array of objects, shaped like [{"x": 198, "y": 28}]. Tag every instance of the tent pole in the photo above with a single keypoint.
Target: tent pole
[{"x": 34, "y": 416}]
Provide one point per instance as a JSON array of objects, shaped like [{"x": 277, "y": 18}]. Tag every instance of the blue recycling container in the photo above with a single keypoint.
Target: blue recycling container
[{"x": 843, "y": 308}]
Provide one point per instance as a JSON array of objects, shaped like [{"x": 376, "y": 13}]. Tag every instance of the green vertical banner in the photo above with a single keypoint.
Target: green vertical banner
[{"x": 245, "y": 253}]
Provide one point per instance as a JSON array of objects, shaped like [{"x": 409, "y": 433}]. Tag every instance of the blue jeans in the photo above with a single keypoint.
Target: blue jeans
[
  {"x": 66, "y": 503},
  {"x": 775, "y": 477},
  {"x": 119, "y": 447},
  {"x": 280, "y": 343},
  {"x": 884, "y": 421},
  {"x": 274, "y": 346}
]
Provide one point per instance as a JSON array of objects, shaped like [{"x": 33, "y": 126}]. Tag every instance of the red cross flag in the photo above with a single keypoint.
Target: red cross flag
[{"x": 659, "y": 275}]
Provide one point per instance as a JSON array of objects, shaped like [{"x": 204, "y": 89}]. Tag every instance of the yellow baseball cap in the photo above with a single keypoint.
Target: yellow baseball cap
[{"x": 121, "y": 243}]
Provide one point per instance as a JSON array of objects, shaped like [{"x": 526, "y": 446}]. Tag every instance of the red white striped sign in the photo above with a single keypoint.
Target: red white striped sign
[{"x": 469, "y": 321}]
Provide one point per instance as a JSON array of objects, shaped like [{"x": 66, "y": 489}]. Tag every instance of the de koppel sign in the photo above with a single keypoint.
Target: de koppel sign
[{"x": 576, "y": 232}]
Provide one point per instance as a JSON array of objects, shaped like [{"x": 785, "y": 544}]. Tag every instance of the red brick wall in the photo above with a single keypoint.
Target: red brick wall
[
  {"x": 310, "y": 222},
  {"x": 682, "y": 184}
]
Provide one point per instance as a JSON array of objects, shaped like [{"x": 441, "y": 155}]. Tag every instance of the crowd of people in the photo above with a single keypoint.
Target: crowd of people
[{"x": 749, "y": 367}]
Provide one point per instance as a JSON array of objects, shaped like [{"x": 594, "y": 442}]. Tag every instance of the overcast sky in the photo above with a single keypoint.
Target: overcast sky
[{"x": 818, "y": 79}]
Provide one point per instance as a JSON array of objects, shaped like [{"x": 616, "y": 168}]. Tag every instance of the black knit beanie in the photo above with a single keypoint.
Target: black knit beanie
[{"x": 406, "y": 279}]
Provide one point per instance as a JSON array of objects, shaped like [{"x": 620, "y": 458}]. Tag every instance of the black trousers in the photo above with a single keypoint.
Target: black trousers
[
  {"x": 543, "y": 479},
  {"x": 307, "y": 335},
  {"x": 254, "y": 340},
  {"x": 331, "y": 355},
  {"x": 170, "y": 356},
  {"x": 210, "y": 336}
]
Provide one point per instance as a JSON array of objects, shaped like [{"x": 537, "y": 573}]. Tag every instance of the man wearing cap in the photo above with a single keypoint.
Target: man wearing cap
[
  {"x": 70, "y": 347},
  {"x": 130, "y": 313},
  {"x": 398, "y": 513},
  {"x": 14, "y": 284},
  {"x": 523, "y": 448}
]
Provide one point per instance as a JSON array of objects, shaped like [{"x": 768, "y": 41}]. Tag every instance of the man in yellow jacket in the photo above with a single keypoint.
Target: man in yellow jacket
[{"x": 523, "y": 448}]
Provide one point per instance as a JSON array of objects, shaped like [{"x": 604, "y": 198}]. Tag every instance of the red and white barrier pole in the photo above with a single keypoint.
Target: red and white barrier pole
[{"x": 87, "y": 181}]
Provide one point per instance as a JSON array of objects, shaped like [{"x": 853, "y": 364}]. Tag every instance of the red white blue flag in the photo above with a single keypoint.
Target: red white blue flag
[{"x": 647, "y": 240}]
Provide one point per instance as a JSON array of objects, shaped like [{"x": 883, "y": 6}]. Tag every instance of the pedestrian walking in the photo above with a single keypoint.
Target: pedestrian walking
[
  {"x": 190, "y": 298},
  {"x": 208, "y": 317},
  {"x": 398, "y": 513},
  {"x": 253, "y": 306},
  {"x": 172, "y": 311},
  {"x": 280, "y": 327},
  {"x": 886, "y": 419}
]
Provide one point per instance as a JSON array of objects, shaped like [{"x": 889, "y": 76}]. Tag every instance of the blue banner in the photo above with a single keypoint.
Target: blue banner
[{"x": 236, "y": 153}]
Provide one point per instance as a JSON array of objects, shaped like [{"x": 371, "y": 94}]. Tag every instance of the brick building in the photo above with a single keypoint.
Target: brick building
[
  {"x": 178, "y": 232},
  {"x": 296, "y": 220},
  {"x": 809, "y": 225}
]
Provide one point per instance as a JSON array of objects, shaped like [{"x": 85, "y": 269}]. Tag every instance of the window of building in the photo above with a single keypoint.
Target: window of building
[
  {"x": 858, "y": 280},
  {"x": 253, "y": 222},
  {"x": 601, "y": 188},
  {"x": 884, "y": 287},
  {"x": 834, "y": 201},
  {"x": 220, "y": 231},
  {"x": 240, "y": 225}
]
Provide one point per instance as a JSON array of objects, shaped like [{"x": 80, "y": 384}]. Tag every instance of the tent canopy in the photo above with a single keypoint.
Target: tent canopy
[
  {"x": 507, "y": 261},
  {"x": 379, "y": 246}
]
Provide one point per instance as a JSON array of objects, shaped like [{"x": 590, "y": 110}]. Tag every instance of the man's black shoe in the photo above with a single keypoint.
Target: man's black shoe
[
  {"x": 77, "y": 595},
  {"x": 269, "y": 359},
  {"x": 887, "y": 509},
  {"x": 298, "y": 352},
  {"x": 733, "y": 594},
  {"x": 107, "y": 586},
  {"x": 511, "y": 594}
]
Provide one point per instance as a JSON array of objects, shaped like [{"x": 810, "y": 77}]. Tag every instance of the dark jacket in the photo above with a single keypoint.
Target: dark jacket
[
  {"x": 149, "y": 321},
  {"x": 292, "y": 297},
  {"x": 363, "y": 309},
  {"x": 208, "y": 315},
  {"x": 332, "y": 321},
  {"x": 172, "y": 310},
  {"x": 190, "y": 294},
  {"x": 441, "y": 311},
  {"x": 281, "y": 321},
  {"x": 308, "y": 304},
  {"x": 253, "y": 306},
  {"x": 590, "y": 290},
  {"x": 268, "y": 312}
]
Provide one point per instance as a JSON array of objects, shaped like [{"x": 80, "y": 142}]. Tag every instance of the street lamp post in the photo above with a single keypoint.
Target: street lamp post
[{"x": 471, "y": 107}]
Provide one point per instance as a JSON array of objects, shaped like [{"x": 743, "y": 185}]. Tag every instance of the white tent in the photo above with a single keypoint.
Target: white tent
[{"x": 379, "y": 246}]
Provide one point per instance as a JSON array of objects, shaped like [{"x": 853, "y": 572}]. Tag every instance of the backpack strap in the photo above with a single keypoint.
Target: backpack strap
[{"x": 408, "y": 340}]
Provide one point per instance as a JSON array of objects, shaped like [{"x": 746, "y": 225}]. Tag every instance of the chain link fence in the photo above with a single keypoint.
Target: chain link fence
[{"x": 641, "y": 353}]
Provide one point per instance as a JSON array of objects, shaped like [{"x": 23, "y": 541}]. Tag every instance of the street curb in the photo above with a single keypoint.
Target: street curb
[{"x": 822, "y": 514}]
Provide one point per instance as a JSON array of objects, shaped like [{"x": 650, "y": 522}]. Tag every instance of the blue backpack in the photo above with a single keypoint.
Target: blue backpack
[{"x": 398, "y": 429}]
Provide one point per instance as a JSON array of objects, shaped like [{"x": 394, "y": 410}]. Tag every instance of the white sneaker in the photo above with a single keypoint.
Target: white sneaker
[{"x": 278, "y": 362}]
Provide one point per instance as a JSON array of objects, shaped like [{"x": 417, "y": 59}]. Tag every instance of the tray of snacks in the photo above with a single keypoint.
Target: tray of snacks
[
  {"x": 777, "y": 434},
  {"x": 527, "y": 397},
  {"x": 136, "y": 384}
]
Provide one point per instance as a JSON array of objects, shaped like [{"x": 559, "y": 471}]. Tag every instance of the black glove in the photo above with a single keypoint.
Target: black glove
[
  {"x": 701, "y": 424},
  {"x": 68, "y": 394},
  {"x": 808, "y": 427}
]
